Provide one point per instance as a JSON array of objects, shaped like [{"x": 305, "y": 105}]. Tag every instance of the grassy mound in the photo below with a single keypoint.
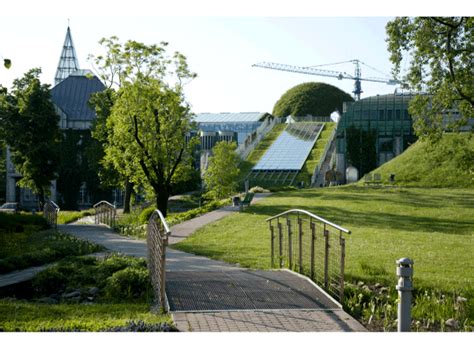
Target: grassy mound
[
  {"x": 312, "y": 98},
  {"x": 448, "y": 163}
]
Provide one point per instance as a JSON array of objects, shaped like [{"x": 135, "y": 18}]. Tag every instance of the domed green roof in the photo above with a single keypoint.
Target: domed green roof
[{"x": 312, "y": 98}]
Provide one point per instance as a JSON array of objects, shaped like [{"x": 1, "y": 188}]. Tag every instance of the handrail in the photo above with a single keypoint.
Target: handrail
[
  {"x": 50, "y": 212},
  {"x": 310, "y": 215},
  {"x": 163, "y": 220},
  {"x": 157, "y": 241},
  {"x": 103, "y": 201}
]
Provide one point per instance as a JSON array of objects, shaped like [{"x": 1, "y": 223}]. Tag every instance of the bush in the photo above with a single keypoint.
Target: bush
[
  {"x": 18, "y": 222},
  {"x": 131, "y": 283},
  {"x": 145, "y": 214}
]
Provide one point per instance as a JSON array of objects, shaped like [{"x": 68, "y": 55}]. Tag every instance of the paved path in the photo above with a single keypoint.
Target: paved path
[{"x": 210, "y": 295}]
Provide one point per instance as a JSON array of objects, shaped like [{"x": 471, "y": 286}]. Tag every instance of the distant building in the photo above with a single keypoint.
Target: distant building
[
  {"x": 387, "y": 115},
  {"x": 70, "y": 96}
]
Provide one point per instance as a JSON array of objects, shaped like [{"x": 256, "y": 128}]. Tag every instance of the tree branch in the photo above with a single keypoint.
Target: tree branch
[{"x": 178, "y": 160}]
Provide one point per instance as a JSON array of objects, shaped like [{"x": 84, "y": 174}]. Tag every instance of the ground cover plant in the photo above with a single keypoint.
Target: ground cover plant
[
  {"x": 431, "y": 226},
  {"x": 313, "y": 158},
  {"x": 25, "y": 241},
  {"x": 84, "y": 294}
]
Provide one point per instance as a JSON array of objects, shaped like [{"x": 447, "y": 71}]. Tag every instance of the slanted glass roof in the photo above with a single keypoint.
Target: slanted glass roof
[
  {"x": 292, "y": 147},
  {"x": 229, "y": 117}
]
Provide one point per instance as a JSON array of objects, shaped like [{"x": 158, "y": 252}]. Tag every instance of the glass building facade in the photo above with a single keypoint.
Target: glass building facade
[{"x": 387, "y": 115}]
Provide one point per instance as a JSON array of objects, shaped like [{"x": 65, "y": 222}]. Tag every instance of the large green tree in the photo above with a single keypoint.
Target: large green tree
[
  {"x": 31, "y": 129},
  {"x": 439, "y": 53},
  {"x": 150, "y": 118},
  {"x": 223, "y": 170}
]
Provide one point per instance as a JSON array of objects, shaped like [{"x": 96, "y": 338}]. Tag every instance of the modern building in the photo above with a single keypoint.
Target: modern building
[
  {"x": 216, "y": 126},
  {"x": 386, "y": 115}
]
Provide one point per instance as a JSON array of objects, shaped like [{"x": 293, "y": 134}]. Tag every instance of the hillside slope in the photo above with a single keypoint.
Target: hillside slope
[{"x": 448, "y": 163}]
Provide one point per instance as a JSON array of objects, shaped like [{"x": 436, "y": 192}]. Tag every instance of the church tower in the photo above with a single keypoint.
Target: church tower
[{"x": 68, "y": 62}]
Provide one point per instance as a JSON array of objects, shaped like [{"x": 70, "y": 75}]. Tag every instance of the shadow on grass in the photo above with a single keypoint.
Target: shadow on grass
[{"x": 387, "y": 221}]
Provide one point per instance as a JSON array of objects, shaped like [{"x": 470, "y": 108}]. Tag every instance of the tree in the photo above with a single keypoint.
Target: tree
[
  {"x": 149, "y": 120},
  {"x": 440, "y": 69},
  {"x": 31, "y": 130},
  {"x": 221, "y": 174}
]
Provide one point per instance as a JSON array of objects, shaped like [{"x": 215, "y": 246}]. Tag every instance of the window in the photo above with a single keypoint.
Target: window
[
  {"x": 381, "y": 115},
  {"x": 397, "y": 114},
  {"x": 389, "y": 115},
  {"x": 406, "y": 115}
]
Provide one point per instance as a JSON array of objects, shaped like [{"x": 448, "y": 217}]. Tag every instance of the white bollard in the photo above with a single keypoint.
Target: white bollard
[{"x": 404, "y": 287}]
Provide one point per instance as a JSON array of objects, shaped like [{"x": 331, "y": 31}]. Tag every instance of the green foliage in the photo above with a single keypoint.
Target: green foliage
[
  {"x": 439, "y": 53},
  {"x": 174, "y": 219},
  {"x": 17, "y": 222},
  {"x": 361, "y": 149},
  {"x": 449, "y": 163},
  {"x": 145, "y": 215},
  {"x": 7, "y": 63},
  {"x": 3, "y": 170},
  {"x": 128, "y": 284},
  {"x": 20, "y": 250},
  {"x": 221, "y": 174},
  {"x": 31, "y": 129},
  {"x": 312, "y": 98}
]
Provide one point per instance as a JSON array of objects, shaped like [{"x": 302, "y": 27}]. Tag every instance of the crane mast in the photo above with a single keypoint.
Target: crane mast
[{"x": 312, "y": 70}]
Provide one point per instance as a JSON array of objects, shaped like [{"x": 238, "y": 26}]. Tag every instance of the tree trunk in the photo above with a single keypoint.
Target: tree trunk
[
  {"x": 41, "y": 198},
  {"x": 162, "y": 201},
  {"x": 127, "y": 196}
]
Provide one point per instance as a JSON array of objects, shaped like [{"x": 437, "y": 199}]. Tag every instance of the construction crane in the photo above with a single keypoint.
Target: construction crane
[{"x": 312, "y": 70}]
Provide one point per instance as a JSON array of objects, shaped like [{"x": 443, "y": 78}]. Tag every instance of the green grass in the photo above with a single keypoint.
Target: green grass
[
  {"x": 449, "y": 163},
  {"x": 313, "y": 158},
  {"x": 246, "y": 165},
  {"x": 66, "y": 216},
  {"x": 20, "y": 315},
  {"x": 434, "y": 227}
]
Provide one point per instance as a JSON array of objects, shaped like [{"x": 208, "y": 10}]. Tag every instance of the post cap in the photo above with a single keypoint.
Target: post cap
[{"x": 404, "y": 262}]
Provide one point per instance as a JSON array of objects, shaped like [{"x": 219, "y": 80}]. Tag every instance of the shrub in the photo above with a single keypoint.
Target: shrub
[
  {"x": 258, "y": 189},
  {"x": 18, "y": 222},
  {"x": 131, "y": 283},
  {"x": 145, "y": 214}
]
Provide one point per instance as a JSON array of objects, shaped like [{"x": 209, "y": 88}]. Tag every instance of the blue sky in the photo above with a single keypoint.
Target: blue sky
[{"x": 219, "y": 49}]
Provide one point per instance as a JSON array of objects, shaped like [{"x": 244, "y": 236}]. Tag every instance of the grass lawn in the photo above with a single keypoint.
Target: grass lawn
[{"x": 434, "y": 227}]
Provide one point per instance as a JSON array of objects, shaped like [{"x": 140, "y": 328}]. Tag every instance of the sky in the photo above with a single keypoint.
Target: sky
[{"x": 220, "y": 49}]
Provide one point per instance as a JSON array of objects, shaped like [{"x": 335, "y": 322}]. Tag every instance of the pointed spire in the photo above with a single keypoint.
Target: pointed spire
[{"x": 68, "y": 61}]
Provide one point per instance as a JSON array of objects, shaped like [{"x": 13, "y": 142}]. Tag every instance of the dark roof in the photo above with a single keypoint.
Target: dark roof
[{"x": 72, "y": 95}]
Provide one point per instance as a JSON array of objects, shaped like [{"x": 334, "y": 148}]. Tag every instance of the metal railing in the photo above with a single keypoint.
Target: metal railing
[
  {"x": 50, "y": 212},
  {"x": 310, "y": 245},
  {"x": 105, "y": 213},
  {"x": 157, "y": 240}
]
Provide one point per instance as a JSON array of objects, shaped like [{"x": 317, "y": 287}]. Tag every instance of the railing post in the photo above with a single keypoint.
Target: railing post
[
  {"x": 326, "y": 258},
  {"x": 313, "y": 240},
  {"x": 300, "y": 239},
  {"x": 272, "y": 245},
  {"x": 342, "y": 241},
  {"x": 280, "y": 239},
  {"x": 290, "y": 244},
  {"x": 404, "y": 287}
]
